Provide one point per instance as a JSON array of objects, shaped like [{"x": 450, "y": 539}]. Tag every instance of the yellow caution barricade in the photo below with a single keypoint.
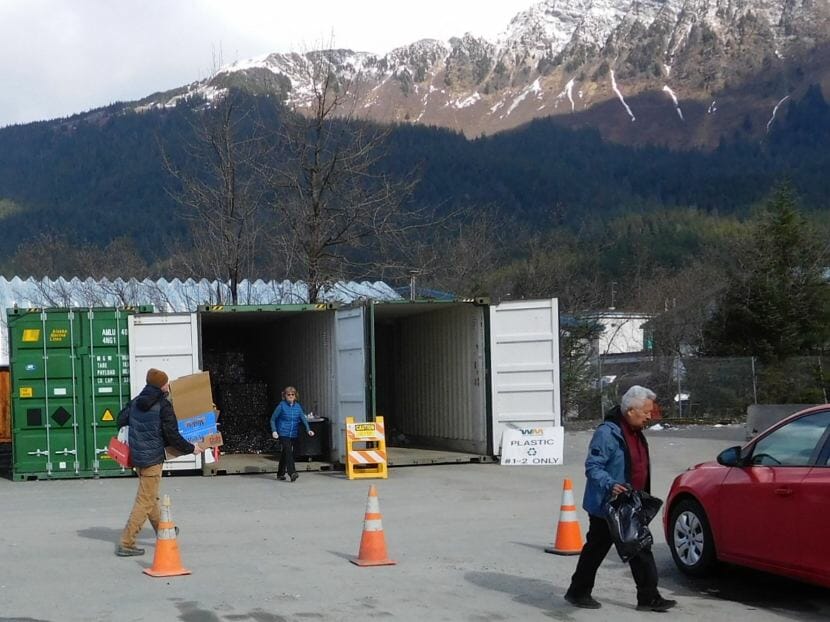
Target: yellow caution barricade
[{"x": 368, "y": 459}]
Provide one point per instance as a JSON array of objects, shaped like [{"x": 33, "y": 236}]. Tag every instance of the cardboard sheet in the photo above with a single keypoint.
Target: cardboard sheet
[
  {"x": 193, "y": 404},
  {"x": 191, "y": 395}
]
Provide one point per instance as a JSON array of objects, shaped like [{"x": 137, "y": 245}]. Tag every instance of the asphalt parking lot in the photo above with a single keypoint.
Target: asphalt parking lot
[{"x": 469, "y": 540}]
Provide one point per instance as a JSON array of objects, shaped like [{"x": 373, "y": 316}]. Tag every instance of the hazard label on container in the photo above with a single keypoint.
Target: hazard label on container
[
  {"x": 107, "y": 415},
  {"x": 26, "y": 392},
  {"x": 31, "y": 334},
  {"x": 61, "y": 416}
]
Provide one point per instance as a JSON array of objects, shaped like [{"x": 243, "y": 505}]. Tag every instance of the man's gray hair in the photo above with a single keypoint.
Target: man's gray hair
[{"x": 635, "y": 397}]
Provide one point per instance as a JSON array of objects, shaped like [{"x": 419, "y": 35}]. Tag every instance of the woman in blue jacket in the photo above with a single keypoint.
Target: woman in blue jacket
[{"x": 285, "y": 425}]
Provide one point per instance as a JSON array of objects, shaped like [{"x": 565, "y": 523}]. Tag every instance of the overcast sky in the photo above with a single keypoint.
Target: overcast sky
[{"x": 59, "y": 57}]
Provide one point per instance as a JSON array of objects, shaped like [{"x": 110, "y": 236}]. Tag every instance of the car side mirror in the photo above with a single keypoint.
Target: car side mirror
[{"x": 730, "y": 457}]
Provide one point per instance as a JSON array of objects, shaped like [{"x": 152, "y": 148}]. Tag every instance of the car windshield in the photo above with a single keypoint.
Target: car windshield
[{"x": 792, "y": 444}]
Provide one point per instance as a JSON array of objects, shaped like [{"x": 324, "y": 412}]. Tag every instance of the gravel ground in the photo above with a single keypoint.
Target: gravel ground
[{"x": 468, "y": 539}]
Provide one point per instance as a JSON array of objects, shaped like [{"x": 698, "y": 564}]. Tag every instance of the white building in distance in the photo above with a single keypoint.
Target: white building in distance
[{"x": 622, "y": 331}]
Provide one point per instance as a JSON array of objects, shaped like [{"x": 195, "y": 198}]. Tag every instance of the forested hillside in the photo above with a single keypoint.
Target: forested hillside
[{"x": 99, "y": 176}]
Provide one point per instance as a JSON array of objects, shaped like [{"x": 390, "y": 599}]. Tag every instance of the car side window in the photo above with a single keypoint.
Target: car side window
[{"x": 793, "y": 444}]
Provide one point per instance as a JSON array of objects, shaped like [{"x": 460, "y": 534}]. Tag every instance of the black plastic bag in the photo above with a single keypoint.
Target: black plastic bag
[{"x": 628, "y": 515}]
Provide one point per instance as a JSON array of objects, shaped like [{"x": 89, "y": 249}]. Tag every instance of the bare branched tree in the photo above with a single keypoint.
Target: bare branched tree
[
  {"x": 53, "y": 255},
  {"x": 338, "y": 215},
  {"x": 463, "y": 256},
  {"x": 221, "y": 189}
]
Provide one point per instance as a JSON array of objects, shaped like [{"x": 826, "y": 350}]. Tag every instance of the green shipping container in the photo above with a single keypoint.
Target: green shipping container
[{"x": 69, "y": 379}]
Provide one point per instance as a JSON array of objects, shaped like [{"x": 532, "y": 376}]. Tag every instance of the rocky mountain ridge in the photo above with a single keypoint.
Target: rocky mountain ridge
[{"x": 677, "y": 72}]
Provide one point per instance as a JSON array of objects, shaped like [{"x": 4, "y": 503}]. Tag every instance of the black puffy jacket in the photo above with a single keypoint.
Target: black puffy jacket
[{"x": 153, "y": 427}]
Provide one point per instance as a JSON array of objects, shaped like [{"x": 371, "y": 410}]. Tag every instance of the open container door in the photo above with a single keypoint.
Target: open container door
[
  {"x": 524, "y": 365},
  {"x": 169, "y": 342},
  {"x": 429, "y": 379},
  {"x": 350, "y": 346}
]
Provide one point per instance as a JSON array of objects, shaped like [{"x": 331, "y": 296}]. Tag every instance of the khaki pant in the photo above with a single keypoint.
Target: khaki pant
[{"x": 146, "y": 504}]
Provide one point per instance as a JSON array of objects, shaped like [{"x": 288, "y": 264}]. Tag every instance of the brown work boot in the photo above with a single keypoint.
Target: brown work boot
[{"x": 128, "y": 551}]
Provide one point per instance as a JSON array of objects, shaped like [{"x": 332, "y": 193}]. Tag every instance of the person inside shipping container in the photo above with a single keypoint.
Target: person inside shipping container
[
  {"x": 153, "y": 427},
  {"x": 285, "y": 426}
]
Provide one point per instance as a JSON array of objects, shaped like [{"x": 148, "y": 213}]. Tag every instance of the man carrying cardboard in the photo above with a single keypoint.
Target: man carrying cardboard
[{"x": 153, "y": 426}]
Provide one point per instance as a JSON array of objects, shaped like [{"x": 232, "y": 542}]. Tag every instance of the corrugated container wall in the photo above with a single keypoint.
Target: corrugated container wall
[
  {"x": 431, "y": 374},
  {"x": 69, "y": 379},
  {"x": 303, "y": 355}
]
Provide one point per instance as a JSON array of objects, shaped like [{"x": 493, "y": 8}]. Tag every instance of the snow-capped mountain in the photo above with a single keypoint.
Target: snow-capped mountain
[{"x": 680, "y": 72}]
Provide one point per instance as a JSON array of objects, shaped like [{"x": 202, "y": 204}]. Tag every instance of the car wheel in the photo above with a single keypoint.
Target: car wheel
[{"x": 690, "y": 539}]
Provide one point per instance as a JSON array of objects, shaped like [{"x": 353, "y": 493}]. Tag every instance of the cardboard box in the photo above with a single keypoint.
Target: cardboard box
[
  {"x": 191, "y": 395},
  {"x": 193, "y": 404}
]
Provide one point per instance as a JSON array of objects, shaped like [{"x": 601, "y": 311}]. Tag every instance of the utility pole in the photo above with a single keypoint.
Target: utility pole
[
  {"x": 755, "y": 384},
  {"x": 679, "y": 390},
  {"x": 601, "y": 387},
  {"x": 412, "y": 274}
]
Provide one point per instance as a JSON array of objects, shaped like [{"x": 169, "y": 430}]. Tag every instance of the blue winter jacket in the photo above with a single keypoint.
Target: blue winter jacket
[
  {"x": 286, "y": 419},
  {"x": 608, "y": 463},
  {"x": 153, "y": 427}
]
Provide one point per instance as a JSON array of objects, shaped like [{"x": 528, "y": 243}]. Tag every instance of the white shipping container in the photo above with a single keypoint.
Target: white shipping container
[
  {"x": 445, "y": 376},
  {"x": 525, "y": 370}
]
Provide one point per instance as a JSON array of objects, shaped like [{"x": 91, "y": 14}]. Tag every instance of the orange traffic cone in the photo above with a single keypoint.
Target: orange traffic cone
[
  {"x": 372, "y": 542},
  {"x": 568, "y": 534},
  {"x": 166, "y": 561}
]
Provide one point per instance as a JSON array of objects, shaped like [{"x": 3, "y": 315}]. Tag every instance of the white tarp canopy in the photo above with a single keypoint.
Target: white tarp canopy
[{"x": 167, "y": 296}]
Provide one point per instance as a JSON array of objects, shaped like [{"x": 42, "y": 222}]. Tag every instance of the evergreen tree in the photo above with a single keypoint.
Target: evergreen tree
[{"x": 777, "y": 305}]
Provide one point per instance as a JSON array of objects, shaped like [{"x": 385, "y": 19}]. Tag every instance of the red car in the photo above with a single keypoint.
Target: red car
[{"x": 765, "y": 505}]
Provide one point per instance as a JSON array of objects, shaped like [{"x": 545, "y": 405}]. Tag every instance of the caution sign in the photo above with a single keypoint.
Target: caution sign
[
  {"x": 26, "y": 392},
  {"x": 365, "y": 431},
  {"x": 107, "y": 415},
  {"x": 365, "y": 449},
  {"x": 533, "y": 446}
]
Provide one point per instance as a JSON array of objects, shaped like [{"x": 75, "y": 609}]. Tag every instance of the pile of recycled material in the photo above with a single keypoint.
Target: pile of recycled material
[
  {"x": 225, "y": 367},
  {"x": 244, "y": 418}
]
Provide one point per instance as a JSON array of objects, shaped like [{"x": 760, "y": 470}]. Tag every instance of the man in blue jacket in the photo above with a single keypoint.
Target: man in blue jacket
[
  {"x": 153, "y": 427},
  {"x": 617, "y": 456}
]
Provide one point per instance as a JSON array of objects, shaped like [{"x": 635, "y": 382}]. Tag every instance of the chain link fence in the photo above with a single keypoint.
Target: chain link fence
[{"x": 691, "y": 388}]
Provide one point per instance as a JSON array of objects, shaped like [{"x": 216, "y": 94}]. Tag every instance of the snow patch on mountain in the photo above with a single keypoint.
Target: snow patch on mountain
[
  {"x": 620, "y": 96},
  {"x": 568, "y": 92},
  {"x": 775, "y": 111},
  {"x": 536, "y": 87},
  {"x": 465, "y": 102},
  {"x": 667, "y": 89}
]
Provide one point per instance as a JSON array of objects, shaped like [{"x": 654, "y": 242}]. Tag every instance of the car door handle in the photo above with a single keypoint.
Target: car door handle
[{"x": 783, "y": 492}]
